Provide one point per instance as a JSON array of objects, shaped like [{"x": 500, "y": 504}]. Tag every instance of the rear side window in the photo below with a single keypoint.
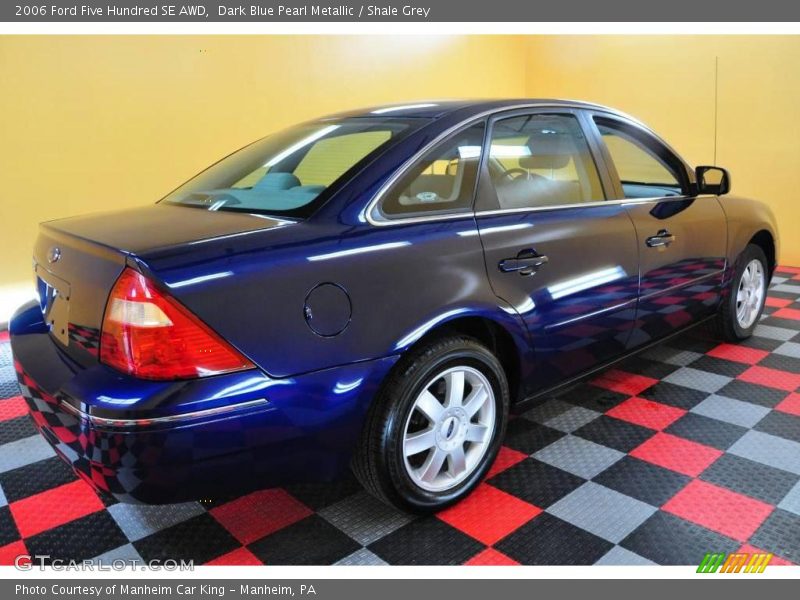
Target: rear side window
[
  {"x": 542, "y": 160},
  {"x": 441, "y": 182},
  {"x": 646, "y": 169},
  {"x": 289, "y": 173}
]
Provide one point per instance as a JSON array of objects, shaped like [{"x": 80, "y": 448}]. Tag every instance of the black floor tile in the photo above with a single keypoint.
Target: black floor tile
[
  {"x": 319, "y": 495},
  {"x": 36, "y": 477},
  {"x": 642, "y": 480},
  {"x": 781, "y": 362},
  {"x": 750, "y": 392},
  {"x": 780, "y": 534},
  {"x": 649, "y": 368},
  {"x": 426, "y": 541},
  {"x": 668, "y": 540},
  {"x": 593, "y": 397},
  {"x": 311, "y": 541},
  {"x": 704, "y": 430},
  {"x": 536, "y": 482},
  {"x": 674, "y": 395},
  {"x": 200, "y": 539},
  {"x": 16, "y": 429},
  {"x": 720, "y": 366},
  {"x": 529, "y": 437},
  {"x": 83, "y": 538},
  {"x": 615, "y": 433},
  {"x": 8, "y": 528},
  {"x": 781, "y": 424},
  {"x": 547, "y": 540},
  {"x": 750, "y": 478}
]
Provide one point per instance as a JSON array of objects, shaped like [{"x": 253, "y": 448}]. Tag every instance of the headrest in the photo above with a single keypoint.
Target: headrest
[
  {"x": 548, "y": 151},
  {"x": 277, "y": 181}
]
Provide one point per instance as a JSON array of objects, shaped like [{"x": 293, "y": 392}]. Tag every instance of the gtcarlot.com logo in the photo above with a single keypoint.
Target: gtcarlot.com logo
[{"x": 28, "y": 562}]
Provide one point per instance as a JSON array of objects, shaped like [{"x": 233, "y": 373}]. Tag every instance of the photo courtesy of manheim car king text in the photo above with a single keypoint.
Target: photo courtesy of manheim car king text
[{"x": 315, "y": 300}]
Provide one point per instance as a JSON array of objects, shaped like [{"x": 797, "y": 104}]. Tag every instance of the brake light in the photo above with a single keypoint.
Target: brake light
[{"x": 148, "y": 334}]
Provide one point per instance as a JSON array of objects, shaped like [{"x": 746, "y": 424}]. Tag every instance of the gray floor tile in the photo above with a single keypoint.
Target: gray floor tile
[
  {"x": 698, "y": 380},
  {"x": 769, "y": 450},
  {"x": 573, "y": 419},
  {"x": 791, "y": 501},
  {"x": 578, "y": 456},
  {"x": 602, "y": 511},
  {"x": 774, "y": 333},
  {"x": 619, "y": 556},
  {"x": 789, "y": 349},
  {"x": 361, "y": 558},
  {"x": 24, "y": 452},
  {"x": 547, "y": 410},
  {"x": 125, "y": 553},
  {"x": 364, "y": 518},
  {"x": 139, "y": 520},
  {"x": 729, "y": 410}
]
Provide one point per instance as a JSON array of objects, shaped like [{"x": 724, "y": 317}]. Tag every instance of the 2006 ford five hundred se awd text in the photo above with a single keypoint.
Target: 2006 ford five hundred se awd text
[{"x": 375, "y": 289}]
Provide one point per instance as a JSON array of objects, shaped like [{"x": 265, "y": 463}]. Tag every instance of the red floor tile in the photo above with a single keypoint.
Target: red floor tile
[
  {"x": 773, "y": 302},
  {"x": 11, "y": 408},
  {"x": 646, "y": 413},
  {"x": 775, "y": 561},
  {"x": 489, "y": 514},
  {"x": 10, "y": 552},
  {"x": 787, "y": 313},
  {"x": 256, "y": 515},
  {"x": 790, "y": 404},
  {"x": 774, "y": 378},
  {"x": 741, "y": 354},
  {"x": 505, "y": 458},
  {"x": 793, "y": 270},
  {"x": 54, "y": 507},
  {"x": 3, "y": 336},
  {"x": 623, "y": 382},
  {"x": 490, "y": 558},
  {"x": 719, "y": 509},
  {"x": 237, "y": 558},
  {"x": 677, "y": 454}
]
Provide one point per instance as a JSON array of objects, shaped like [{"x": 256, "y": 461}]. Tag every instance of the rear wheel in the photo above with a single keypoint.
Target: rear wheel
[
  {"x": 436, "y": 427},
  {"x": 742, "y": 309}
]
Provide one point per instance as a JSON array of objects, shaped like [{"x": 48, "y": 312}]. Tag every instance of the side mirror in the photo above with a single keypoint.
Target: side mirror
[{"x": 712, "y": 180}]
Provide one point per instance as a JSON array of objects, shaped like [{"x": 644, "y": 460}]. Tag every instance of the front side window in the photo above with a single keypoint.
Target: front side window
[
  {"x": 287, "y": 174},
  {"x": 441, "y": 182},
  {"x": 644, "y": 167},
  {"x": 542, "y": 160}
]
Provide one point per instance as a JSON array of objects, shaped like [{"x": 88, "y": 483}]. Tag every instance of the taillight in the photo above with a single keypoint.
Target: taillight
[{"x": 148, "y": 334}]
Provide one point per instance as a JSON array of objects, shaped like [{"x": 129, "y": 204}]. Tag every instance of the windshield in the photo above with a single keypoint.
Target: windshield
[{"x": 289, "y": 172}]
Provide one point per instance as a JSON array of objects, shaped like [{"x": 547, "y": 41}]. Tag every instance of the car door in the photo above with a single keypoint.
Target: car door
[
  {"x": 555, "y": 250},
  {"x": 682, "y": 237}
]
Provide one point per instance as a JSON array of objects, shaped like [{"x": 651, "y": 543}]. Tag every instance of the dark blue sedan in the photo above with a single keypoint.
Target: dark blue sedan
[{"x": 375, "y": 290}]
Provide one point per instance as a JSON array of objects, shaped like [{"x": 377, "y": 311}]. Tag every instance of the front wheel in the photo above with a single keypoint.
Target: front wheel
[
  {"x": 742, "y": 309},
  {"x": 436, "y": 427}
]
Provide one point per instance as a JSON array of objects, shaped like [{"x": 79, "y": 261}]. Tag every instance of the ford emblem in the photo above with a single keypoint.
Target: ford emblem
[{"x": 53, "y": 254}]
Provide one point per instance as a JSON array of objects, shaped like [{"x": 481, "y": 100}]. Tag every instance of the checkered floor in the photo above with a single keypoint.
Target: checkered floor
[{"x": 690, "y": 448}]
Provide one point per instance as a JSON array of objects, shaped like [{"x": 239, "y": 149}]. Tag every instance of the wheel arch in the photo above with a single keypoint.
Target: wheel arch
[{"x": 505, "y": 338}]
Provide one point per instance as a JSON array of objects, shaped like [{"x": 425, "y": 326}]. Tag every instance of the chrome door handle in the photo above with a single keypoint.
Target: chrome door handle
[
  {"x": 661, "y": 239},
  {"x": 526, "y": 262}
]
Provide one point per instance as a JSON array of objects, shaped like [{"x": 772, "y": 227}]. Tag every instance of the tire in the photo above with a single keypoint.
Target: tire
[
  {"x": 731, "y": 324},
  {"x": 397, "y": 425}
]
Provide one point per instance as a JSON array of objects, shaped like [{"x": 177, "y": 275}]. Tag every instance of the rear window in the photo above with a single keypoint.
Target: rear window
[{"x": 288, "y": 173}]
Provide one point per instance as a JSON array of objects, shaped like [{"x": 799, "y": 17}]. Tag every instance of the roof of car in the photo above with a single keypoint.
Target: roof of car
[{"x": 433, "y": 109}]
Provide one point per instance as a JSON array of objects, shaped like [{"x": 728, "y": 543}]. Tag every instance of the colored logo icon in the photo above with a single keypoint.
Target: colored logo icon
[{"x": 744, "y": 562}]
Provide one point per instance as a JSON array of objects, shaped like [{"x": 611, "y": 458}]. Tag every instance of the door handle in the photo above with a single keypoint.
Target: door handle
[
  {"x": 661, "y": 239},
  {"x": 526, "y": 262}
]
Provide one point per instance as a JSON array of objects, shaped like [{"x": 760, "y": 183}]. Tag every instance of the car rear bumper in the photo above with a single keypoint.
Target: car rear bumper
[{"x": 208, "y": 438}]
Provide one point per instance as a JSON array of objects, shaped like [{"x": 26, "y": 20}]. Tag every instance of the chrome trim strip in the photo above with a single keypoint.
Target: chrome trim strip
[
  {"x": 190, "y": 416},
  {"x": 595, "y": 313},
  {"x": 569, "y": 105}
]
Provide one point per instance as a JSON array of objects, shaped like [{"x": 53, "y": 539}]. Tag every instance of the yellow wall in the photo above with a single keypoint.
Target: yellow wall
[
  {"x": 92, "y": 122},
  {"x": 668, "y": 82}
]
